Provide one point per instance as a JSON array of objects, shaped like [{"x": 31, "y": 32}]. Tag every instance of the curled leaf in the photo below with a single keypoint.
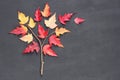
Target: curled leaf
[
  {"x": 55, "y": 41},
  {"x": 48, "y": 51},
  {"x": 61, "y": 30},
  {"x": 22, "y": 18},
  {"x": 51, "y": 23},
  {"x": 46, "y": 12},
  {"x": 31, "y": 48},
  {"x": 31, "y": 23},
  {"x": 66, "y": 17},
  {"x": 79, "y": 20},
  {"x": 38, "y": 16},
  {"x": 42, "y": 32},
  {"x": 27, "y": 38},
  {"x": 21, "y": 30}
]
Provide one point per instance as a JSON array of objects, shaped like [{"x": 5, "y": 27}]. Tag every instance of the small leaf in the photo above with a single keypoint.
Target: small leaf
[
  {"x": 66, "y": 17},
  {"x": 38, "y": 16},
  {"x": 31, "y": 23},
  {"x": 51, "y": 23},
  {"x": 46, "y": 12},
  {"x": 21, "y": 30},
  {"x": 23, "y": 18},
  {"x": 54, "y": 40},
  {"x": 27, "y": 38},
  {"x": 31, "y": 48},
  {"x": 61, "y": 30},
  {"x": 48, "y": 51},
  {"x": 42, "y": 32},
  {"x": 79, "y": 20}
]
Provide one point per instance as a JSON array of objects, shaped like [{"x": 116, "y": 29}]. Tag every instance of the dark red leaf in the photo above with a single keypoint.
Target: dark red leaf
[
  {"x": 66, "y": 17},
  {"x": 48, "y": 51},
  {"x": 38, "y": 16},
  {"x": 55, "y": 40},
  {"x": 21, "y": 30},
  {"x": 31, "y": 48},
  {"x": 42, "y": 32},
  {"x": 79, "y": 20}
]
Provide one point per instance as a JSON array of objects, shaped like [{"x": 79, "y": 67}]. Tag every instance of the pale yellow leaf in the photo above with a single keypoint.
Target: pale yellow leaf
[
  {"x": 23, "y": 18},
  {"x": 51, "y": 22},
  {"x": 61, "y": 30},
  {"x": 27, "y": 38},
  {"x": 31, "y": 23}
]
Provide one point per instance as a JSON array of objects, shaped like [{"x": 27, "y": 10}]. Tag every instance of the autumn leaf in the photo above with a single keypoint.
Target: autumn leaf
[
  {"x": 78, "y": 20},
  {"x": 61, "y": 30},
  {"x": 66, "y": 17},
  {"x": 46, "y": 12},
  {"x": 27, "y": 38},
  {"x": 38, "y": 16},
  {"x": 55, "y": 41},
  {"x": 51, "y": 23},
  {"x": 23, "y": 18},
  {"x": 21, "y": 30},
  {"x": 31, "y": 48},
  {"x": 48, "y": 51},
  {"x": 42, "y": 33},
  {"x": 31, "y": 23}
]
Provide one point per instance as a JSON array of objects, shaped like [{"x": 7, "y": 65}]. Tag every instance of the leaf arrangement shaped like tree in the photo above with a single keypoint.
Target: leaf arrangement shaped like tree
[{"x": 50, "y": 32}]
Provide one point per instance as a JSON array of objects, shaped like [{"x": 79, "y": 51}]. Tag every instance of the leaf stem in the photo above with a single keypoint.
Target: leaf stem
[{"x": 41, "y": 54}]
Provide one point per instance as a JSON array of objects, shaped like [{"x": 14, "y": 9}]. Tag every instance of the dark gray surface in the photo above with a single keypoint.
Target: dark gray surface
[{"x": 92, "y": 49}]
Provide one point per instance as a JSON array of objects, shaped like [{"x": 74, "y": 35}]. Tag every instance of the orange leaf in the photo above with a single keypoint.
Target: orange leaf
[
  {"x": 47, "y": 50},
  {"x": 54, "y": 40},
  {"x": 61, "y": 30},
  {"x": 27, "y": 38},
  {"x": 46, "y": 12}
]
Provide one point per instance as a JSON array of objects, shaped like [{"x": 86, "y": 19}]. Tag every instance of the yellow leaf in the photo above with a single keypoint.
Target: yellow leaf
[
  {"x": 46, "y": 12},
  {"x": 31, "y": 23},
  {"x": 61, "y": 30},
  {"x": 27, "y": 38},
  {"x": 51, "y": 22},
  {"x": 23, "y": 18}
]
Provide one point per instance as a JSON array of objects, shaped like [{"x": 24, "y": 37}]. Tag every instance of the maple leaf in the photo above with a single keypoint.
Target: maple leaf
[
  {"x": 48, "y": 51},
  {"x": 21, "y": 30},
  {"x": 27, "y": 38},
  {"x": 23, "y": 18},
  {"x": 42, "y": 32},
  {"x": 61, "y": 30},
  {"x": 31, "y": 23},
  {"x": 32, "y": 47},
  {"x": 46, "y": 12},
  {"x": 38, "y": 16},
  {"x": 79, "y": 20},
  {"x": 66, "y": 17},
  {"x": 53, "y": 39},
  {"x": 51, "y": 23}
]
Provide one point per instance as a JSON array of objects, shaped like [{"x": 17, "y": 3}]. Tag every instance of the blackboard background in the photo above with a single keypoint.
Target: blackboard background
[{"x": 92, "y": 49}]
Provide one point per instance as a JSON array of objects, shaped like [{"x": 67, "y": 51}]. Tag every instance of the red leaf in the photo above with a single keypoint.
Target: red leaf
[
  {"x": 21, "y": 30},
  {"x": 41, "y": 32},
  {"x": 79, "y": 20},
  {"x": 66, "y": 17},
  {"x": 32, "y": 47},
  {"x": 54, "y": 40},
  {"x": 38, "y": 16},
  {"x": 47, "y": 50}
]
